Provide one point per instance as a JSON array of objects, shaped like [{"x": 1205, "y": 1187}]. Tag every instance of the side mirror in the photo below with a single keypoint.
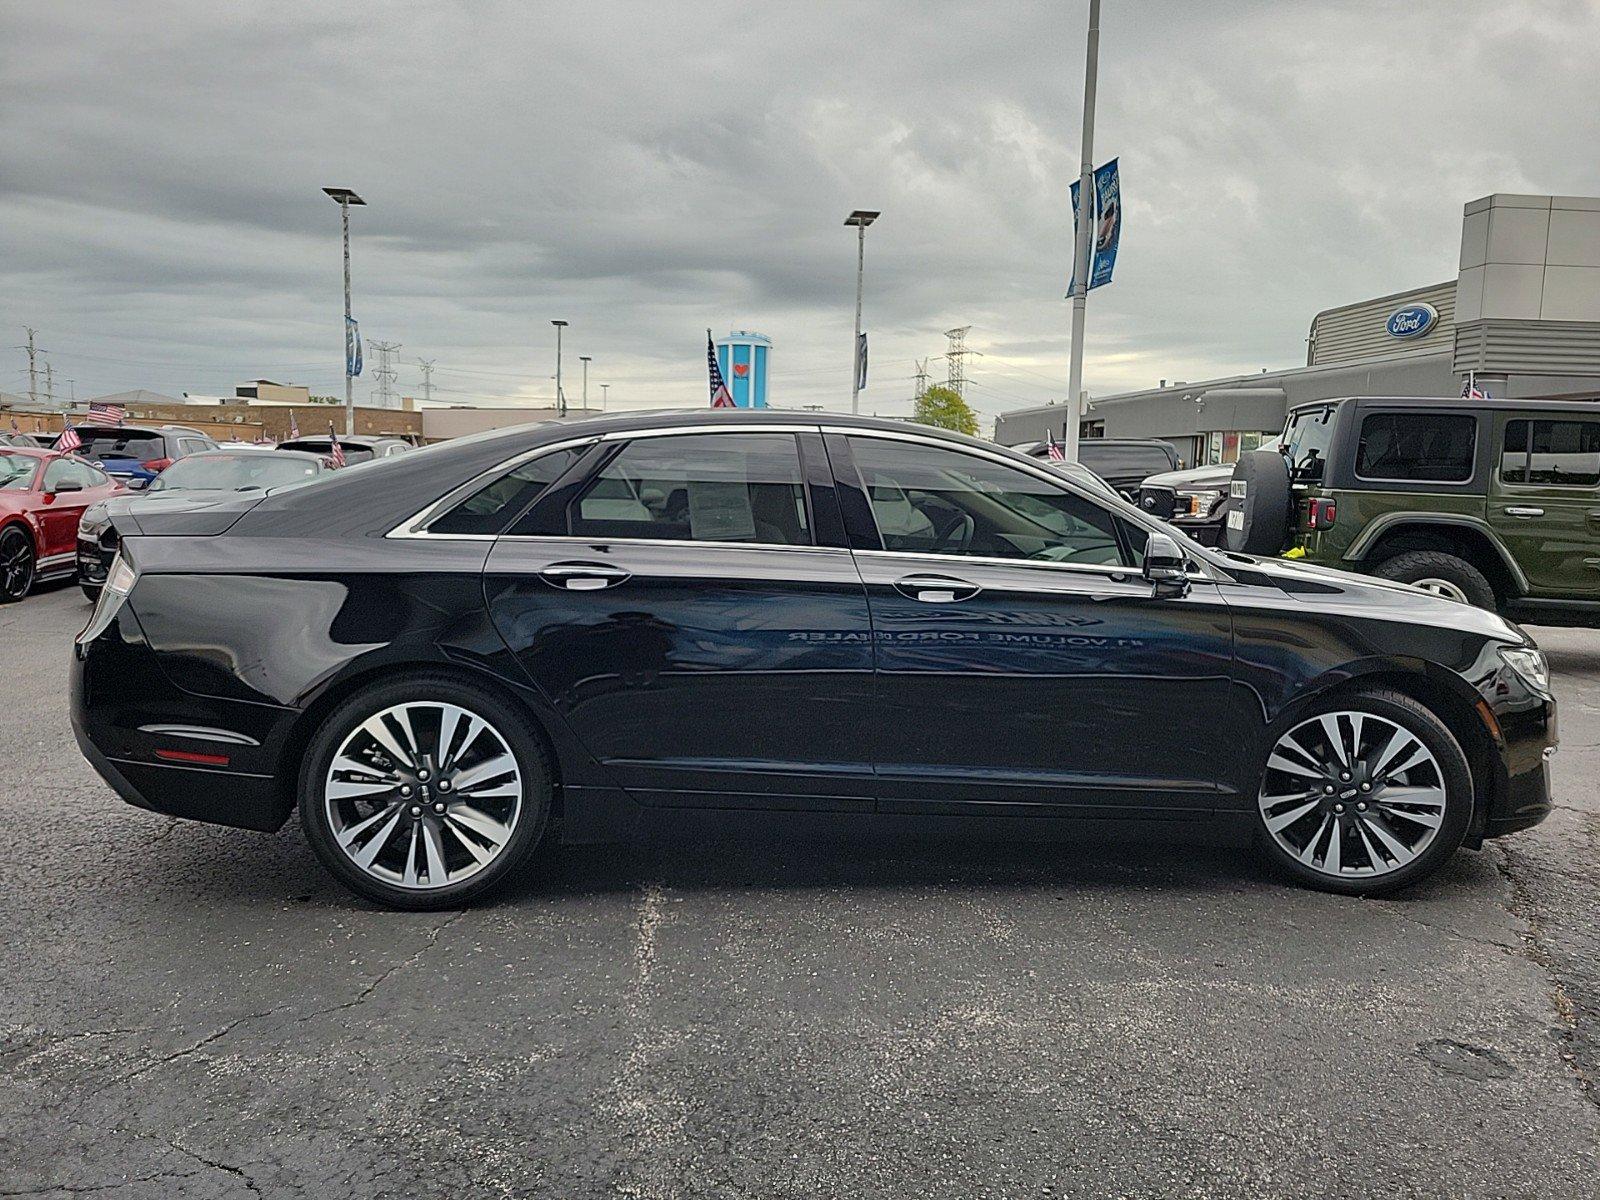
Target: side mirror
[
  {"x": 1165, "y": 565},
  {"x": 135, "y": 483},
  {"x": 66, "y": 485}
]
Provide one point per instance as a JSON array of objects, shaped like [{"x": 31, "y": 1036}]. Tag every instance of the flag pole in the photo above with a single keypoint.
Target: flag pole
[{"x": 1085, "y": 241}]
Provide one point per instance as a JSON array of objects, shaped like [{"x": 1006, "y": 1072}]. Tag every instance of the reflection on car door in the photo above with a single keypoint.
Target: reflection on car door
[
  {"x": 690, "y": 605},
  {"x": 1024, "y": 665}
]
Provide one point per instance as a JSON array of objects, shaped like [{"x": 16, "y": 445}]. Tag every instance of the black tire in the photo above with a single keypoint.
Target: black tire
[
  {"x": 1425, "y": 566},
  {"x": 18, "y": 564},
  {"x": 1454, "y": 778},
  {"x": 509, "y": 723},
  {"x": 91, "y": 592},
  {"x": 1266, "y": 507}
]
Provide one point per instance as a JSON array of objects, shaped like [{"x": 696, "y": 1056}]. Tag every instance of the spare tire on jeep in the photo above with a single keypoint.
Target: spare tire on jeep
[{"x": 1263, "y": 501}]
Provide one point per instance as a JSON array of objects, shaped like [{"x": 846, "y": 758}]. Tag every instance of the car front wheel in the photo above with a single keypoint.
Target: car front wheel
[
  {"x": 425, "y": 792},
  {"x": 16, "y": 564},
  {"x": 1367, "y": 794}
]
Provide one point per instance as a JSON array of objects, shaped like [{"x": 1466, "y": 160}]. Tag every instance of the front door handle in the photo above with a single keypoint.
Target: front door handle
[
  {"x": 1517, "y": 510},
  {"x": 936, "y": 589},
  {"x": 583, "y": 577}
]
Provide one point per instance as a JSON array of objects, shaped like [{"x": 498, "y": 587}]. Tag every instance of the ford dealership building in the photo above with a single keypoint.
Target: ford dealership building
[{"x": 1521, "y": 317}]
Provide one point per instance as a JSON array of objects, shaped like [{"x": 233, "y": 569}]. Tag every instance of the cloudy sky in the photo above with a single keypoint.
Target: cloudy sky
[{"x": 645, "y": 170}]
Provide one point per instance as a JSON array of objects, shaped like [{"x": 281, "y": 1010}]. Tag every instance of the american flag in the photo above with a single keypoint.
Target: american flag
[
  {"x": 720, "y": 396},
  {"x": 15, "y": 428},
  {"x": 68, "y": 441},
  {"x": 336, "y": 454},
  {"x": 1053, "y": 450},
  {"x": 108, "y": 414},
  {"x": 1470, "y": 389}
]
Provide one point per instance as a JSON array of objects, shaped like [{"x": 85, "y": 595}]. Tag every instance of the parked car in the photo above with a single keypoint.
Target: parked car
[
  {"x": 1494, "y": 503},
  {"x": 356, "y": 449},
  {"x": 610, "y": 626},
  {"x": 236, "y": 468},
  {"x": 26, "y": 441},
  {"x": 136, "y": 454},
  {"x": 1196, "y": 500},
  {"x": 1124, "y": 463},
  {"x": 42, "y": 495}
]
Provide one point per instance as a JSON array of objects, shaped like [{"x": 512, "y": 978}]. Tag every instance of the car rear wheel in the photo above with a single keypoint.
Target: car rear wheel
[
  {"x": 91, "y": 591},
  {"x": 424, "y": 793},
  {"x": 1366, "y": 795},
  {"x": 17, "y": 564},
  {"x": 1442, "y": 574}
]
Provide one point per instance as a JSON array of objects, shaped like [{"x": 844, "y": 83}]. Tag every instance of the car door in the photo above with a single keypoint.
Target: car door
[
  {"x": 1544, "y": 502},
  {"x": 60, "y": 509},
  {"x": 1024, "y": 665},
  {"x": 687, "y": 600}
]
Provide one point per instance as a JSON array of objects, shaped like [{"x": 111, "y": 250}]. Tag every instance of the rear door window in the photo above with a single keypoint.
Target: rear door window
[
  {"x": 709, "y": 487},
  {"x": 1417, "y": 447},
  {"x": 1558, "y": 453}
]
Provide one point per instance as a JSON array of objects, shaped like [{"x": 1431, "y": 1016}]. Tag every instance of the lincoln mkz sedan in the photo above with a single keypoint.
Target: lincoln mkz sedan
[{"x": 604, "y": 628}]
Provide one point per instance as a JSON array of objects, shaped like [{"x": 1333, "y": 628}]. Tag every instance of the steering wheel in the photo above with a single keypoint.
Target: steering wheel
[{"x": 950, "y": 523}]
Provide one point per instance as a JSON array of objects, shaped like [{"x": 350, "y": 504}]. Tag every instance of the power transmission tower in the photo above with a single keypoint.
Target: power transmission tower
[
  {"x": 922, "y": 377},
  {"x": 49, "y": 384},
  {"x": 33, "y": 378},
  {"x": 956, "y": 357},
  {"x": 427, "y": 378},
  {"x": 384, "y": 372}
]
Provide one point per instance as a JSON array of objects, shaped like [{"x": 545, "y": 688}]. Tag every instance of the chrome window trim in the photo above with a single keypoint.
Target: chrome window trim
[
  {"x": 570, "y": 539},
  {"x": 1133, "y": 574}
]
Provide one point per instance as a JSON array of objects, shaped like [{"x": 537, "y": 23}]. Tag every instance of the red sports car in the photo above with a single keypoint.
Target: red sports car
[{"x": 42, "y": 495}]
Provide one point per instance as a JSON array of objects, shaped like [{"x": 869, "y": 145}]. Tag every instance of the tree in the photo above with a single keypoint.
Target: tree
[
  {"x": 324, "y": 400},
  {"x": 943, "y": 407}
]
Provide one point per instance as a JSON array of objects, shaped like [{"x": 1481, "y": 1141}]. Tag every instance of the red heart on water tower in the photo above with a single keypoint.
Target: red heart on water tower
[{"x": 741, "y": 369}]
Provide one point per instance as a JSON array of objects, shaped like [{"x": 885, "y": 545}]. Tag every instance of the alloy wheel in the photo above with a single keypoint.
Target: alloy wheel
[
  {"x": 16, "y": 564},
  {"x": 1352, "y": 794},
  {"x": 423, "y": 795},
  {"x": 1443, "y": 587}
]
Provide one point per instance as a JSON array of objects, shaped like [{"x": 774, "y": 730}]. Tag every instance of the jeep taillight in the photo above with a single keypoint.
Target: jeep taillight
[
  {"x": 1321, "y": 514},
  {"x": 157, "y": 464}
]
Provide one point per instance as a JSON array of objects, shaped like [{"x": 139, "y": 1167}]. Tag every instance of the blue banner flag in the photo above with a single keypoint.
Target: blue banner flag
[
  {"x": 1107, "y": 225},
  {"x": 861, "y": 363},
  {"x": 352, "y": 347}
]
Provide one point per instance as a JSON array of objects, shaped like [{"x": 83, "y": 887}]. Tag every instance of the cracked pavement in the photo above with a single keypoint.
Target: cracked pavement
[{"x": 199, "y": 1012}]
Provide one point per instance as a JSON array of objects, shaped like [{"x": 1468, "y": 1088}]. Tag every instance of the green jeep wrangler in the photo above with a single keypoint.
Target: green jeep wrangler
[{"x": 1490, "y": 502}]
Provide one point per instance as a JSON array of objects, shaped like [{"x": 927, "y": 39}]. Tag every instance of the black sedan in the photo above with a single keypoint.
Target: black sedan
[
  {"x": 226, "y": 469},
  {"x": 619, "y": 625}
]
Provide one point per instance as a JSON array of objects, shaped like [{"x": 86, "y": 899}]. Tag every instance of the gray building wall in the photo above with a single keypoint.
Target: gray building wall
[{"x": 1355, "y": 332}]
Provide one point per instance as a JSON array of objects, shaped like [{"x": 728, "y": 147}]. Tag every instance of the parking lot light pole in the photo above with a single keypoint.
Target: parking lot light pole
[
  {"x": 1085, "y": 241},
  {"x": 561, "y": 400},
  {"x": 344, "y": 197},
  {"x": 605, "y": 395},
  {"x": 586, "y": 359},
  {"x": 861, "y": 218}
]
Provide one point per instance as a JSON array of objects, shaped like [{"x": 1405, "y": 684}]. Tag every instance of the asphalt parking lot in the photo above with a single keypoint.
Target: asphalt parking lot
[{"x": 196, "y": 1011}]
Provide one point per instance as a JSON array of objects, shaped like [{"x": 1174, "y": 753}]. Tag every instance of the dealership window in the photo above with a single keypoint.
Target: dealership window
[
  {"x": 495, "y": 504},
  {"x": 1420, "y": 446},
  {"x": 1227, "y": 446},
  {"x": 1559, "y": 453},
  {"x": 709, "y": 487}
]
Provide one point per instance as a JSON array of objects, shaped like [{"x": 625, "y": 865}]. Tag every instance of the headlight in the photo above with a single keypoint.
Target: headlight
[
  {"x": 119, "y": 582},
  {"x": 1530, "y": 665},
  {"x": 1193, "y": 503}
]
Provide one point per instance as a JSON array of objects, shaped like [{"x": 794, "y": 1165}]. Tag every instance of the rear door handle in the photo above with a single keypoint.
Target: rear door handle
[
  {"x": 936, "y": 589},
  {"x": 1516, "y": 510},
  {"x": 583, "y": 577}
]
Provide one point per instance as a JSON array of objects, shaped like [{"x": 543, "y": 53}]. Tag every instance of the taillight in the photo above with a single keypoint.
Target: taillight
[
  {"x": 1322, "y": 514},
  {"x": 158, "y": 464}
]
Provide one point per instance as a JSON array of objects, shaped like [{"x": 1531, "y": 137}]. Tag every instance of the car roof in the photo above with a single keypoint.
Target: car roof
[
  {"x": 1520, "y": 404},
  {"x": 31, "y": 451}
]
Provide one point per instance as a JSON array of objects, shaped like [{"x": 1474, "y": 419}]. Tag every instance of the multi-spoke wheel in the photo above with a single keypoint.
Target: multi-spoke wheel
[
  {"x": 16, "y": 564},
  {"x": 422, "y": 793},
  {"x": 1368, "y": 795}
]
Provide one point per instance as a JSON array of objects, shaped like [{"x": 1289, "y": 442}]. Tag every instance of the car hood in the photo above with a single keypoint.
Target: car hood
[
  {"x": 1212, "y": 476},
  {"x": 1318, "y": 586}
]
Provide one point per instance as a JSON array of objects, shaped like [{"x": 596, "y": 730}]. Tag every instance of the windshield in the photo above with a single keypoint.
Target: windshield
[
  {"x": 16, "y": 472},
  {"x": 1123, "y": 460},
  {"x": 1305, "y": 440},
  {"x": 233, "y": 472}
]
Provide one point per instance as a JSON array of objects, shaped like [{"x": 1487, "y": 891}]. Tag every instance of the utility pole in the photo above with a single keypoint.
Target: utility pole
[
  {"x": 956, "y": 357},
  {"x": 561, "y": 398},
  {"x": 384, "y": 372},
  {"x": 33, "y": 379},
  {"x": 586, "y": 359},
  {"x": 427, "y": 377},
  {"x": 344, "y": 197},
  {"x": 1085, "y": 240},
  {"x": 861, "y": 218},
  {"x": 605, "y": 395}
]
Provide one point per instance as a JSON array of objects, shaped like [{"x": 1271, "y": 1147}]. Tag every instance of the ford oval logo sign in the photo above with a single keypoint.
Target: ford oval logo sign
[{"x": 1412, "y": 321}]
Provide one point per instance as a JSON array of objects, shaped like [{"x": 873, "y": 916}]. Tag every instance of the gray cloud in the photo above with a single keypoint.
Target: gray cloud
[{"x": 646, "y": 170}]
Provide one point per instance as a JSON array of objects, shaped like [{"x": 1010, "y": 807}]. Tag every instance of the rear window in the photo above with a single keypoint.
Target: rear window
[
  {"x": 1559, "y": 453},
  {"x": 1106, "y": 460},
  {"x": 495, "y": 505},
  {"x": 1306, "y": 439},
  {"x": 121, "y": 443},
  {"x": 1417, "y": 446},
  {"x": 233, "y": 472}
]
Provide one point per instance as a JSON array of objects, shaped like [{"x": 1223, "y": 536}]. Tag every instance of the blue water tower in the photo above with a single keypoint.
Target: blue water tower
[{"x": 742, "y": 357}]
